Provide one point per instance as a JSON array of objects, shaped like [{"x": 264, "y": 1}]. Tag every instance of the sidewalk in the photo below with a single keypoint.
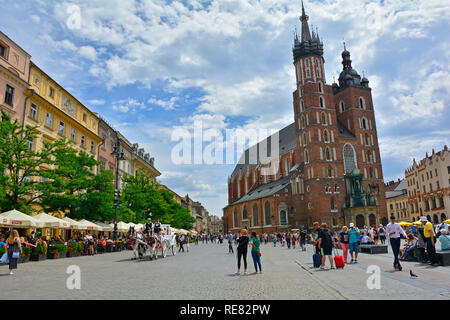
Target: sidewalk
[{"x": 351, "y": 282}]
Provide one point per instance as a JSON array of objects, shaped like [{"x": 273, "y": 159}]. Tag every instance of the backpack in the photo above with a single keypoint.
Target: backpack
[{"x": 327, "y": 239}]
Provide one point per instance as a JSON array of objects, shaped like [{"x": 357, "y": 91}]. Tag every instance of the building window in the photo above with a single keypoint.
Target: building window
[
  {"x": 318, "y": 69},
  {"x": 49, "y": 120},
  {"x": 255, "y": 215},
  {"x": 283, "y": 218},
  {"x": 324, "y": 119},
  {"x": 306, "y": 156},
  {"x": 31, "y": 145},
  {"x": 73, "y": 135},
  {"x": 244, "y": 213},
  {"x": 2, "y": 51},
  {"x": 328, "y": 154},
  {"x": 364, "y": 123},
  {"x": 33, "y": 111},
  {"x": 9, "y": 95},
  {"x": 84, "y": 117},
  {"x": 83, "y": 141},
  {"x": 235, "y": 218},
  {"x": 51, "y": 92},
  {"x": 320, "y": 87},
  {"x": 349, "y": 158},
  {"x": 62, "y": 126},
  {"x": 92, "y": 146},
  {"x": 308, "y": 72},
  {"x": 267, "y": 217},
  {"x": 322, "y": 102},
  {"x": 302, "y": 106},
  {"x": 362, "y": 103},
  {"x": 333, "y": 204},
  {"x": 341, "y": 107},
  {"x": 325, "y": 136}
]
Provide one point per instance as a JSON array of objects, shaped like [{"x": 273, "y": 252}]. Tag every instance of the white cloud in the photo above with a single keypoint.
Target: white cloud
[
  {"x": 88, "y": 52},
  {"x": 166, "y": 105}
]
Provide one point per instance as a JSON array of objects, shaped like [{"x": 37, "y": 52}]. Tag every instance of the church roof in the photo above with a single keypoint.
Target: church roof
[
  {"x": 264, "y": 190},
  {"x": 286, "y": 140}
]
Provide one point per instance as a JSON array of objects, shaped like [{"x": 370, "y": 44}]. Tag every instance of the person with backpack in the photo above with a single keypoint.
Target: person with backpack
[
  {"x": 326, "y": 245},
  {"x": 382, "y": 234}
]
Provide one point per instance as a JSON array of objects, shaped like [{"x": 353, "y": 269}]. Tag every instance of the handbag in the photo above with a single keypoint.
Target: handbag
[
  {"x": 4, "y": 259},
  {"x": 15, "y": 255},
  {"x": 258, "y": 254}
]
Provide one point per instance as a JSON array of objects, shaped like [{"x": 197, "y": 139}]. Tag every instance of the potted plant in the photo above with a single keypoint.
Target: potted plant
[
  {"x": 25, "y": 254},
  {"x": 56, "y": 251},
  {"x": 39, "y": 252},
  {"x": 74, "y": 249}
]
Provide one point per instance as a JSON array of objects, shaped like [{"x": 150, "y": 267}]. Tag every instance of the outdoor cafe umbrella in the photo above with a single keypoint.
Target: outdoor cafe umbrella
[
  {"x": 75, "y": 225},
  {"x": 121, "y": 226},
  {"x": 48, "y": 221},
  {"x": 105, "y": 227},
  {"x": 90, "y": 225},
  {"x": 18, "y": 219}
]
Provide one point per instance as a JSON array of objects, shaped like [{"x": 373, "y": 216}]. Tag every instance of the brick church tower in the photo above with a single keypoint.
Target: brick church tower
[
  {"x": 336, "y": 138},
  {"x": 329, "y": 166}
]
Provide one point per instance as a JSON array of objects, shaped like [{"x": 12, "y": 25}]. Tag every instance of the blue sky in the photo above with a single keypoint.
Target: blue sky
[{"x": 149, "y": 67}]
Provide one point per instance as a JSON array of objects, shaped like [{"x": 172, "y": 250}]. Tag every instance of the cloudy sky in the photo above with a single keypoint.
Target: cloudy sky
[{"x": 151, "y": 66}]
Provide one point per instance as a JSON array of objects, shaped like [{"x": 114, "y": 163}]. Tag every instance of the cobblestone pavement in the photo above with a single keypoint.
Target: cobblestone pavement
[{"x": 207, "y": 272}]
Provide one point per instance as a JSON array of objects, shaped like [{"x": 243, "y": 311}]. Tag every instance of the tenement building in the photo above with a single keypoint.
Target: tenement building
[
  {"x": 397, "y": 200},
  {"x": 328, "y": 168},
  {"x": 428, "y": 184}
]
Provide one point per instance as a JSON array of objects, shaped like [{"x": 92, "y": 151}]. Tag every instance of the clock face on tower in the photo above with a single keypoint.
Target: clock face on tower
[{"x": 68, "y": 106}]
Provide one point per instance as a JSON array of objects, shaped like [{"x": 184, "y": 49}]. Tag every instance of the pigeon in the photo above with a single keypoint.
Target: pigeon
[{"x": 413, "y": 276}]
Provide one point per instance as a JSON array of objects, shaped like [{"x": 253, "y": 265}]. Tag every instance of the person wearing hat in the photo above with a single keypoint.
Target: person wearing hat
[
  {"x": 430, "y": 240},
  {"x": 394, "y": 230},
  {"x": 148, "y": 227},
  {"x": 353, "y": 234}
]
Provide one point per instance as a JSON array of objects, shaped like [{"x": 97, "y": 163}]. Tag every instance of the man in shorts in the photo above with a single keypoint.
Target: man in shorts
[{"x": 353, "y": 234}]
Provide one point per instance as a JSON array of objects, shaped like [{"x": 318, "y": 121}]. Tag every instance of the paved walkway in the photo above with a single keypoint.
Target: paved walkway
[{"x": 207, "y": 272}]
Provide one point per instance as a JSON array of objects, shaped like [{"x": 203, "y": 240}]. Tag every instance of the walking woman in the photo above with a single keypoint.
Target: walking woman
[
  {"x": 344, "y": 240},
  {"x": 242, "y": 250},
  {"x": 256, "y": 252},
  {"x": 13, "y": 247}
]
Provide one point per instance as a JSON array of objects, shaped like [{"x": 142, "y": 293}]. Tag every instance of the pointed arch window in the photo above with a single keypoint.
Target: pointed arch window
[
  {"x": 319, "y": 70},
  {"x": 349, "y": 158},
  {"x": 235, "y": 218},
  {"x": 244, "y": 213},
  {"x": 306, "y": 156},
  {"x": 322, "y": 102},
  {"x": 367, "y": 139},
  {"x": 302, "y": 122},
  {"x": 320, "y": 87},
  {"x": 255, "y": 215},
  {"x": 362, "y": 103},
  {"x": 302, "y": 106},
  {"x": 341, "y": 106},
  {"x": 328, "y": 154},
  {"x": 308, "y": 72},
  {"x": 333, "y": 204},
  {"x": 364, "y": 123},
  {"x": 304, "y": 139},
  {"x": 283, "y": 218},
  {"x": 326, "y": 136},
  {"x": 330, "y": 172},
  {"x": 267, "y": 218},
  {"x": 324, "y": 118}
]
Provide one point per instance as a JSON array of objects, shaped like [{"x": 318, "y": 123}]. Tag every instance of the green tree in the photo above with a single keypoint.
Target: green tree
[
  {"x": 68, "y": 180},
  {"x": 21, "y": 167},
  {"x": 97, "y": 203}
]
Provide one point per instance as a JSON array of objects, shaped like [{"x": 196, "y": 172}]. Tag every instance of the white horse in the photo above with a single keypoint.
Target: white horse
[
  {"x": 142, "y": 244},
  {"x": 169, "y": 242}
]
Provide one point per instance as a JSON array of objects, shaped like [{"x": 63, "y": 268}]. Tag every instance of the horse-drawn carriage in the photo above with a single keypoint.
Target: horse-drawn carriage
[{"x": 152, "y": 244}]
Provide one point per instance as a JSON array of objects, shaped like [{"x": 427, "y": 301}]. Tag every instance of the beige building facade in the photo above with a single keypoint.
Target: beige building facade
[{"x": 428, "y": 186}]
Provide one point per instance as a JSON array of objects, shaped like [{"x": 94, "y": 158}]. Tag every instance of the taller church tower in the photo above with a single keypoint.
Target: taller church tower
[{"x": 336, "y": 139}]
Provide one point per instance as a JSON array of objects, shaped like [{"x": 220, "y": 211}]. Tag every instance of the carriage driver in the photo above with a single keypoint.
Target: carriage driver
[
  {"x": 148, "y": 227},
  {"x": 157, "y": 227}
]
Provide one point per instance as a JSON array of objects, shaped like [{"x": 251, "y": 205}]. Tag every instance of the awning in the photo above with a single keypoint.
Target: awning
[
  {"x": 48, "y": 221},
  {"x": 121, "y": 226},
  {"x": 75, "y": 225},
  {"x": 105, "y": 227},
  {"x": 90, "y": 225},
  {"x": 18, "y": 219}
]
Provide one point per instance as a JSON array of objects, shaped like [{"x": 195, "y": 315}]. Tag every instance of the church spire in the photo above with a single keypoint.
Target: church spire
[{"x": 306, "y": 35}]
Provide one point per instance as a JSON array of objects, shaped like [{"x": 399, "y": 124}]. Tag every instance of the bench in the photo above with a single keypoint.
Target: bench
[
  {"x": 373, "y": 248},
  {"x": 444, "y": 257}
]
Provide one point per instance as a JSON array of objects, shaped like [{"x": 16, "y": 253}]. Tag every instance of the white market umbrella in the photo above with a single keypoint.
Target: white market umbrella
[
  {"x": 75, "y": 225},
  {"x": 90, "y": 225},
  {"x": 48, "y": 221},
  {"x": 16, "y": 218}
]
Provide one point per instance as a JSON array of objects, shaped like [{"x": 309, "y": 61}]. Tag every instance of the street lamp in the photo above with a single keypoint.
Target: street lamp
[{"x": 117, "y": 193}]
